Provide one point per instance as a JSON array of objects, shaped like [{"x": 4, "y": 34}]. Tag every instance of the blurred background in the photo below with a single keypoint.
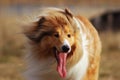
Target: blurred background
[{"x": 104, "y": 15}]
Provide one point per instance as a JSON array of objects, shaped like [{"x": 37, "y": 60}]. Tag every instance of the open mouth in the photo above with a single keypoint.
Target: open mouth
[{"x": 61, "y": 62}]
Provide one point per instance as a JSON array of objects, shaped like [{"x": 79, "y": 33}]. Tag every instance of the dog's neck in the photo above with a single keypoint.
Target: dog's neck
[{"x": 79, "y": 69}]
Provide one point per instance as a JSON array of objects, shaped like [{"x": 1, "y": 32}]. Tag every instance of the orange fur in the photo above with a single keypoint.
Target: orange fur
[
  {"x": 94, "y": 57},
  {"x": 42, "y": 38}
]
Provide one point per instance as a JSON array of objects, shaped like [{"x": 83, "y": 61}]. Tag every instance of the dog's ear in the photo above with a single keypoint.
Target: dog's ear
[
  {"x": 68, "y": 12},
  {"x": 32, "y": 30},
  {"x": 41, "y": 20}
]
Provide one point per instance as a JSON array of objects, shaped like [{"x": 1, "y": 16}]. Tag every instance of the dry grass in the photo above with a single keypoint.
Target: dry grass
[
  {"x": 11, "y": 70},
  {"x": 11, "y": 45},
  {"x": 110, "y": 56}
]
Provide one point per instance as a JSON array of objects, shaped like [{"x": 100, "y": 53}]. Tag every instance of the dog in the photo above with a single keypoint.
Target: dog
[{"x": 62, "y": 46}]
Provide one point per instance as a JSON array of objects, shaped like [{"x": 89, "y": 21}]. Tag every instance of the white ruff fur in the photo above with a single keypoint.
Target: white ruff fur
[
  {"x": 80, "y": 68},
  {"x": 37, "y": 69}
]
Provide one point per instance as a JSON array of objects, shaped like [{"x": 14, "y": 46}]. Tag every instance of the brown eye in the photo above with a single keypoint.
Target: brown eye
[
  {"x": 69, "y": 35},
  {"x": 56, "y": 35}
]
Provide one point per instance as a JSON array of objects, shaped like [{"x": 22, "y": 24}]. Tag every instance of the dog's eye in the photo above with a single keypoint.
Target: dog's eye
[
  {"x": 69, "y": 35},
  {"x": 56, "y": 35}
]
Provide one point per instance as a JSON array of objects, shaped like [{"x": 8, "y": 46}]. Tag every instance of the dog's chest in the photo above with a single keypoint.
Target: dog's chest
[
  {"x": 41, "y": 70},
  {"x": 79, "y": 70}
]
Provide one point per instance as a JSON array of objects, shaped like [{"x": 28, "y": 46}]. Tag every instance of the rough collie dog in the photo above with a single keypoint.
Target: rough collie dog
[{"x": 62, "y": 46}]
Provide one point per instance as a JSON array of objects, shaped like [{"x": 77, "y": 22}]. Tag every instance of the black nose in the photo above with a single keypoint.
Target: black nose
[{"x": 65, "y": 48}]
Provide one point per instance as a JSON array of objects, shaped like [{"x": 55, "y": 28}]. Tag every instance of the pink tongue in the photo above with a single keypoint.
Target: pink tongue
[{"x": 61, "y": 67}]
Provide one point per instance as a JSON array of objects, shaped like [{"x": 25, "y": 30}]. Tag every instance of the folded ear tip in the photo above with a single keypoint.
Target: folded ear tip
[
  {"x": 67, "y": 11},
  {"x": 41, "y": 20}
]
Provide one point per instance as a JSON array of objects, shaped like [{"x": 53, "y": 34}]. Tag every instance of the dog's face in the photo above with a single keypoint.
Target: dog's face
[{"x": 55, "y": 36}]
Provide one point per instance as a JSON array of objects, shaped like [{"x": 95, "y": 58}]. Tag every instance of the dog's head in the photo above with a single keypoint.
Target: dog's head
[{"x": 54, "y": 34}]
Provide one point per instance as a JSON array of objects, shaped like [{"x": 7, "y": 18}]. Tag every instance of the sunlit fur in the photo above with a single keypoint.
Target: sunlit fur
[{"x": 83, "y": 59}]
